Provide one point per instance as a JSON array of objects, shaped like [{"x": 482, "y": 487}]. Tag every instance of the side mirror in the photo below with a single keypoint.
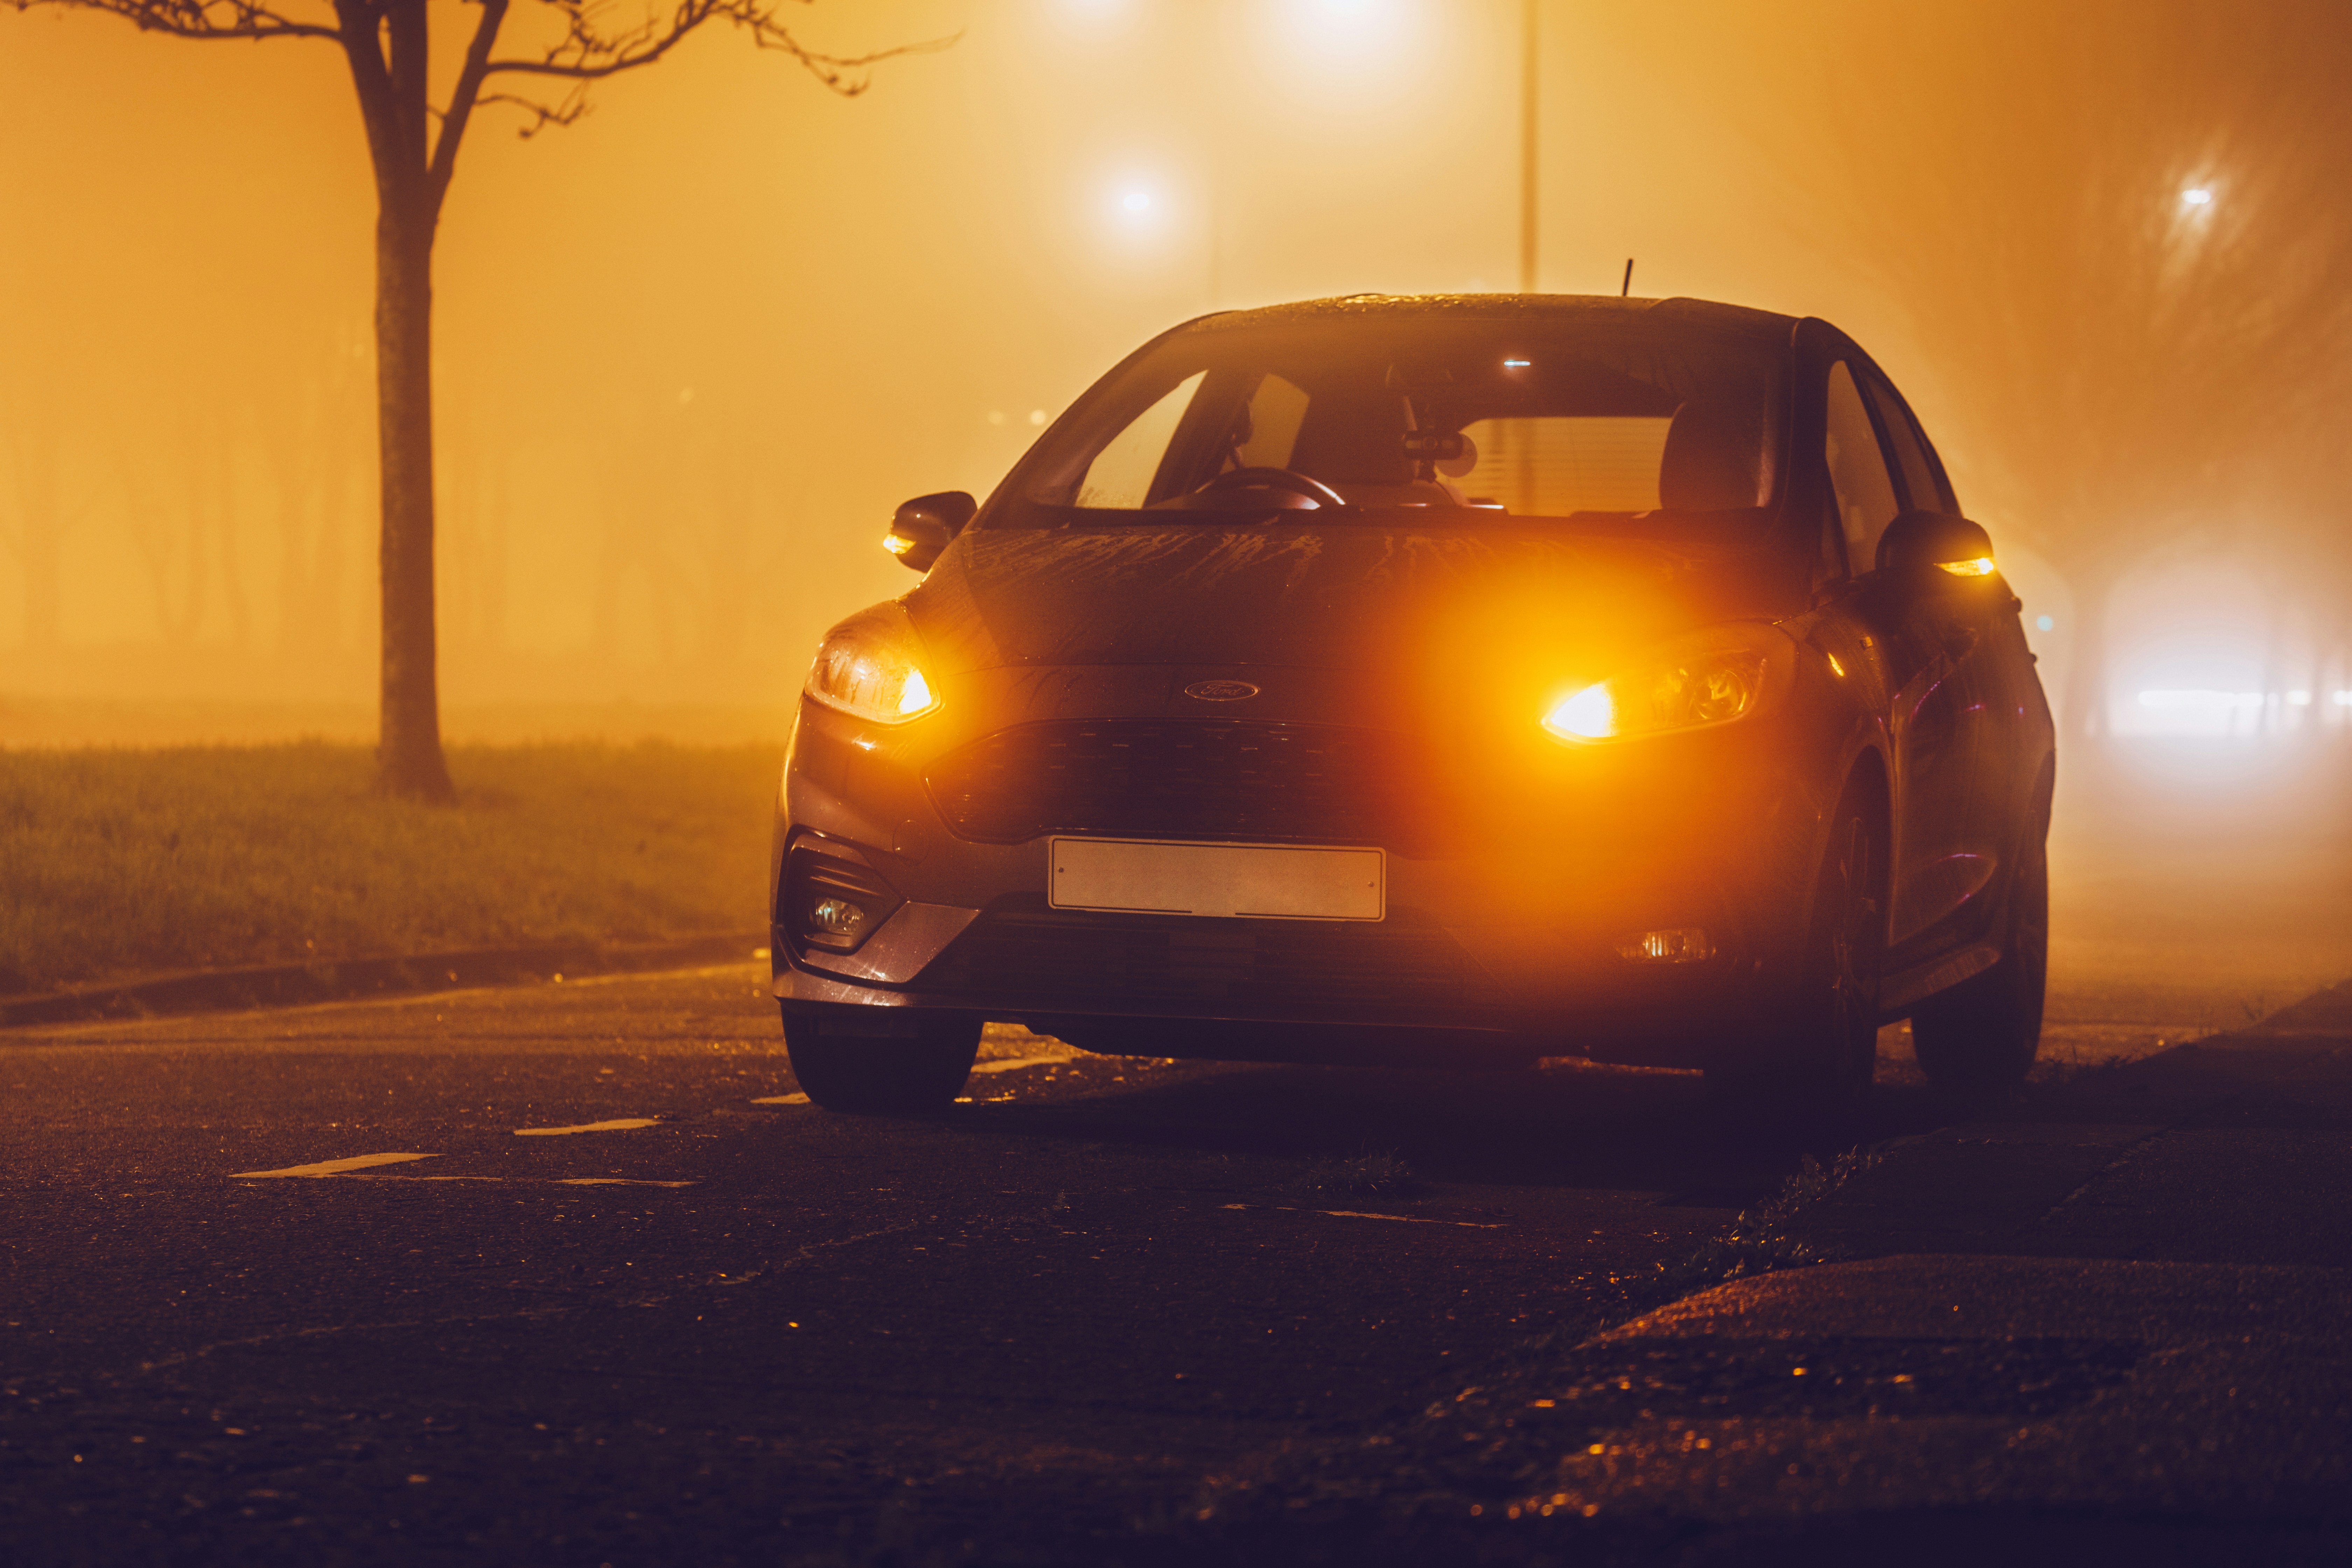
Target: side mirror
[
  {"x": 924, "y": 526},
  {"x": 1935, "y": 548}
]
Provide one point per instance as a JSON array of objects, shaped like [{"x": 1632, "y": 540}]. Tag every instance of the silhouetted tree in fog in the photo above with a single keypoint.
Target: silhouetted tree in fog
[
  {"x": 2123, "y": 232},
  {"x": 33, "y": 507},
  {"x": 414, "y": 149}
]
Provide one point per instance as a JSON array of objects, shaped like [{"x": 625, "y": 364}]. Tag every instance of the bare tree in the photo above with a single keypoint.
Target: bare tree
[
  {"x": 384, "y": 45},
  {"x": 2118, "y": 229}
]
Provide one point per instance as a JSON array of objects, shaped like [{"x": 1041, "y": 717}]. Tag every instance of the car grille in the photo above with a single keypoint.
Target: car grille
[
  {"x": 1400, "y": 969},
  {"x": 1189, "y": 779}
]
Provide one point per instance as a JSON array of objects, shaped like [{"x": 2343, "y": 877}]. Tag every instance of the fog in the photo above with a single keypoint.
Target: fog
[{"x": 693, "y": 348}]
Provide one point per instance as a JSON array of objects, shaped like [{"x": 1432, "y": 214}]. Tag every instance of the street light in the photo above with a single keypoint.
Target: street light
[{"x": 1531, "y": 93}]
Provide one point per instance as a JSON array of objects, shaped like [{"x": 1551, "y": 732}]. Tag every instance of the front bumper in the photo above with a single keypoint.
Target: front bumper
[{"x": 1500, "y": 940}]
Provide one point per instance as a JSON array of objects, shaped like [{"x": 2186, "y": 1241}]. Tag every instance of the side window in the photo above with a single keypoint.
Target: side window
[
  {"x": 1865, "y": 495},
  {"x": 1919, "y": 486},
  {"x": 1121, "y": 473}
]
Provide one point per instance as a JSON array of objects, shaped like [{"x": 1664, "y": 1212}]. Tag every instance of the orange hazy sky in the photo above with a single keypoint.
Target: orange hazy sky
[{"x": 692, "y": 349}]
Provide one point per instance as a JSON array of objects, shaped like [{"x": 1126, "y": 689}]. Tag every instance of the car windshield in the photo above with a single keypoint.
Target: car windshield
[{"x": 1513, "y": 417}]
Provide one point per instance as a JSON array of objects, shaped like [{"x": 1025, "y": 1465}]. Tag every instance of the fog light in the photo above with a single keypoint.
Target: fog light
[
  {"x": 835, "y": 917},
  {"x": 1684, "y": 944},
  {"x": 829, "y": 902}
]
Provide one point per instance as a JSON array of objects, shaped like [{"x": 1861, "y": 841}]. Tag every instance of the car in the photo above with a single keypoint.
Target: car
[{"x": 1438, "y": 681}]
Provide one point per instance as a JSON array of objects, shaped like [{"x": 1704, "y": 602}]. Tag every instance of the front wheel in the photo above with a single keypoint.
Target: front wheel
[
  {"x": 1827, "y": 1047},
  {"x": 1981, "y": 1036},
  {"x": 872, "y": 1077}
]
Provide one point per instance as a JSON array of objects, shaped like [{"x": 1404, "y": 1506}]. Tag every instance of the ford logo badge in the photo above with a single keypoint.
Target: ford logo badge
[{"x": 1221, "y": 690}]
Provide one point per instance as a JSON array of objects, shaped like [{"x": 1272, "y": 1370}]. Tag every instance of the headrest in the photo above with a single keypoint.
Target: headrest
[
  {"x": 1354, "y": 436},
  {"x": 1710, "y": 463}
]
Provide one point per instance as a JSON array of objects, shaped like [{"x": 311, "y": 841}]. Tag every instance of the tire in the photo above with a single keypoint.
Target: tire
[
  {"x": 882, "y": 1077},
  {"x": 1825, "y": 1050},
  {"x": 1981, "y": 1036}
]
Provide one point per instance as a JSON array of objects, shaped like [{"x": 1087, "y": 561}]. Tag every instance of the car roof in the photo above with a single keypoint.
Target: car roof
[{"x": 1763, "y": 325}]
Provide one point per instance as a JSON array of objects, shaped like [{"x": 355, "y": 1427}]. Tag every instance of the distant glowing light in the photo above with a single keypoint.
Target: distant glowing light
[
  {"x": 2196, "y": 197},
  {"x": 1517, "y": 363},
  {"x": 2201, "y": 699},
  {"x": 1589, "y": 715},
  {"x": 1036, "y": 417},
  {"x": 2344, "y": 699},
  {"x": 1981, "y": 566},
  {"x": 1835, "y": 668},
  {"x": 2042, "y": 622},
  {"x": 2298, "y": 699},
  {"x": 1137, "y": 201}
]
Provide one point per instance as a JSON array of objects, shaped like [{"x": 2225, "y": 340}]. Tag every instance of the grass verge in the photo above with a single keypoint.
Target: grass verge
[{"x": 116, "y": 863}]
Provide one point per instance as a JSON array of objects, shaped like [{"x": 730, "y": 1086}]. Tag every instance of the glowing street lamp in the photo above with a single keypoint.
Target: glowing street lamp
[{"x": 2196, "y": 197}]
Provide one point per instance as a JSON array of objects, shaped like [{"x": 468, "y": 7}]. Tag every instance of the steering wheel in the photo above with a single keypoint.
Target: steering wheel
[{"x": 1282, "y": 479}]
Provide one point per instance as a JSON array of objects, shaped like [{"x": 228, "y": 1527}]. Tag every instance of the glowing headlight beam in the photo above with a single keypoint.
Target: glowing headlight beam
[
  {"x": 1588, "y": 715},
  {"x": 915, "y": 697}
]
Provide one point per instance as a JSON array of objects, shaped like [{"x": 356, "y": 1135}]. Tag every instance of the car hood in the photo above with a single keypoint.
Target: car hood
[{"x": 1352, "y": 596}]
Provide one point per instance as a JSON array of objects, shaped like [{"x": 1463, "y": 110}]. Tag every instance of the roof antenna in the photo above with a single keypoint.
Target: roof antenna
[{"x": 1627, "y": 287}]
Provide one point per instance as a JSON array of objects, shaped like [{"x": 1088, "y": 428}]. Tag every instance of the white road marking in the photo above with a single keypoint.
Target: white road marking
[
  {"x": 1359, "y": 1213},
  {"x": 330, "y": 1167},
  {"x": 783, "y": 1099},
  {"x": 624, "y": 1124},
  {"x": 523, "y": 1181},
  {"x": 1014, "y": 1064}
]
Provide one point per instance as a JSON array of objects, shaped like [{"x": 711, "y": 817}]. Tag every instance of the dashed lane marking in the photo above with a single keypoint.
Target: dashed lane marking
[
  {"x": 330, "y": 1167},
  {"x": 525, "y": 1181},
  {"x": 1359, "y": 1213},
  {"x": 622, "y": 1124}
]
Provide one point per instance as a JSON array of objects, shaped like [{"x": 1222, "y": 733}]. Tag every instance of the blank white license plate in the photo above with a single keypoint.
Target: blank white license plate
[{"x": 1264, "y": 881}]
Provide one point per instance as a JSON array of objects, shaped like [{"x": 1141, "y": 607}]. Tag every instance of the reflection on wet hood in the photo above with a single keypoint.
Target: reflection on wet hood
[{"x": 1353, "y": 596}]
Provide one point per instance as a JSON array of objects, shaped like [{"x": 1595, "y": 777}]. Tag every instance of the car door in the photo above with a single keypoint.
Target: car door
[
  {"x": 1921, "y": 657},
  {"x": 1991, "y": 679}
]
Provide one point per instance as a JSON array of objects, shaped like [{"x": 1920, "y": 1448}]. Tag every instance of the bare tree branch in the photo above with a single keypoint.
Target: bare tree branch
[
  {"x": 589, "y": 52},
  {"x": 462, "y": 98},
  {"x": 198, "y": 18}
]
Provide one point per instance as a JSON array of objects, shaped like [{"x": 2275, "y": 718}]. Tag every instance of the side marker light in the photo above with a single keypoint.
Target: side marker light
[
  {"x": 1684, "y": 944},
  {"x": 915, "y": 697},
  {"x": 1980, "y": 567},
  {"x": 897, "y": 545}
]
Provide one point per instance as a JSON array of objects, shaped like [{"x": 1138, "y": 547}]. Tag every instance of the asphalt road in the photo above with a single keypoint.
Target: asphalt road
[{"x": 563, "y": 1274}]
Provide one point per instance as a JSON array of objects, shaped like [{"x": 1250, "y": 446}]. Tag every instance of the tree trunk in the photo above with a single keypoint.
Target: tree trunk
[
  {"x": 408, "y": 750},
  {"x": 386, "y": 47},
  {"x": 43, "y": 581}
]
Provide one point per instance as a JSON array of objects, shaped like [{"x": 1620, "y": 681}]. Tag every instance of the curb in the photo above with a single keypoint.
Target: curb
[{"x": 293, "y": 984}]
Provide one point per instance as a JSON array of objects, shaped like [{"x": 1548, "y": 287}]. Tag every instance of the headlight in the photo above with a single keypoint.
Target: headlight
[
  {"x": 865, "y": 666},
  {"x": 1712, "y": 679}
]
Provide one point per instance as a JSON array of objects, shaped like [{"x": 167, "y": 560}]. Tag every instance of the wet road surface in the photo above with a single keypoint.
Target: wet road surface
[{"x": 565, "y": 1273}]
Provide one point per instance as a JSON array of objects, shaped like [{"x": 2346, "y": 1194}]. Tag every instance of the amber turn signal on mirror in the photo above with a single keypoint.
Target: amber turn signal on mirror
[{"x": 1977, "y": 566}]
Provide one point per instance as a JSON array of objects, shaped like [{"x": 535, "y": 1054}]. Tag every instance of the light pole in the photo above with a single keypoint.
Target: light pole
[{"x": 1530, "y": 94}]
